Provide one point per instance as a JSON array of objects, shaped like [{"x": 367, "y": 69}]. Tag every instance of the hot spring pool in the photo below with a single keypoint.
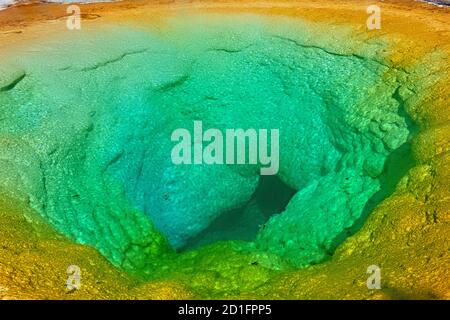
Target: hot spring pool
[{"x": 89, "y": 128}]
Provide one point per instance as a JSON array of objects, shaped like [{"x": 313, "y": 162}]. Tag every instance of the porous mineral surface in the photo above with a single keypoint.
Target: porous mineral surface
[{"x": 86, "y": 117}]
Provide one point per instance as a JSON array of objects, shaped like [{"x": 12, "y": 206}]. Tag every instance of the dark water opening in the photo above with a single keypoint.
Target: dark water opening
[{"x": 270, "y": 197}]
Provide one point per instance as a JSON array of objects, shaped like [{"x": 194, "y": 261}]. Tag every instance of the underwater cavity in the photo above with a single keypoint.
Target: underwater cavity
[{"x": 89, "y": 127}]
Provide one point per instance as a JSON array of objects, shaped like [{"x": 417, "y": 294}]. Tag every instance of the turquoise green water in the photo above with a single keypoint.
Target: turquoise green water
[{"x": 86, "y": 137}]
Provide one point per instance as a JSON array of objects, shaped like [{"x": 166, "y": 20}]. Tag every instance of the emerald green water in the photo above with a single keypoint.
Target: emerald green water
[{"x": 85, "y": 140}]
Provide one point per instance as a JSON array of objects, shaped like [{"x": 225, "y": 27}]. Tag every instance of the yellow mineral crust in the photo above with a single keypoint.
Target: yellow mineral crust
[{"x": 407, "y": 235}]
